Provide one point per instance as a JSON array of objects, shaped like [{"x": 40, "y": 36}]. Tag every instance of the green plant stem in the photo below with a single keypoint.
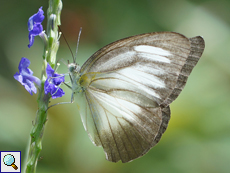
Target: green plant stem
[
  {"x": 36, "y": 133},
  {"x": 50, "y": 51}
]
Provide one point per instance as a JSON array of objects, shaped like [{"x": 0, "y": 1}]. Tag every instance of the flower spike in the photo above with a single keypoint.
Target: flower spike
[
  {"x": 34, "y": 25},
  {"x": 53, "y": 82},
  {"x": 25, "y": 76}
]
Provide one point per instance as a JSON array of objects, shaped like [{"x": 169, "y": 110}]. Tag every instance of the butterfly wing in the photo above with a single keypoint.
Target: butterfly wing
[{"x": 128, "y": 86}]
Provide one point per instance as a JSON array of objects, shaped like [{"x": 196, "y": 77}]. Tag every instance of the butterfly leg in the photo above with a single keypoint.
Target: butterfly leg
[
  {"x": 59, "y": 104},
  {"x": 67, "y": 85},
  {"x": 72, "y": 100}
]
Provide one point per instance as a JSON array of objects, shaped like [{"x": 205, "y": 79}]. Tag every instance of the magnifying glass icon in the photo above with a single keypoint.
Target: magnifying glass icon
[{"x": 9, "y": 160}]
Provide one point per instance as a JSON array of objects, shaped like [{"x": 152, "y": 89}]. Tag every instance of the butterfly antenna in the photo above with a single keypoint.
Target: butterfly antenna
[
  {"x": 66, "y": 43},
  {"x": 77, "y": 44}
]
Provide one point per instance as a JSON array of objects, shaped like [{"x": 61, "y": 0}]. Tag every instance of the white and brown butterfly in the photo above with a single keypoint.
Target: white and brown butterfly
[{"x": 123, "y": 91}]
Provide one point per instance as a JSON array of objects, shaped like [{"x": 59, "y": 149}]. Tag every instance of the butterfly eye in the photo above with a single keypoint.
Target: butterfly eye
[{"x": 72, "y": 68}]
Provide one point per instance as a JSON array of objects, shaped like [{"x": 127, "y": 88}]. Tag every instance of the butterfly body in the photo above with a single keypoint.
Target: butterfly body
[
  {"x": 123, "y": 91},
  {"x": 74, "y": 72}
]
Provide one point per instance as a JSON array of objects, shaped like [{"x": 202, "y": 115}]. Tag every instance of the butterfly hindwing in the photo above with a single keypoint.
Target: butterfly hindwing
[
  {"x": 128, "y": 86},
  {"x": 125, "y": 129}
]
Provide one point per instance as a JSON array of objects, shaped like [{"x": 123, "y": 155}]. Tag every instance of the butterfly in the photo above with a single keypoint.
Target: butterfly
[{"x": 123, "y": 91}]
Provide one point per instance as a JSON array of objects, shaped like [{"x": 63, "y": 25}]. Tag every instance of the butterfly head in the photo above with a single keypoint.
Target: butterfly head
[
  {"x": 74, "y": 71},
  {"x": 74, "y": 68}
]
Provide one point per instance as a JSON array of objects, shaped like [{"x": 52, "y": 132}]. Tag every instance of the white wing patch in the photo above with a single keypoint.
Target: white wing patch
[
  {"x": 149, "y": 69},
  {"x": 142, "y": 77},
  {"x": 152, "y": 49},
  {"x": 119, "y": 108},
  {"x": 132, "y": 79},
  {"x": 153, "y": 53}
]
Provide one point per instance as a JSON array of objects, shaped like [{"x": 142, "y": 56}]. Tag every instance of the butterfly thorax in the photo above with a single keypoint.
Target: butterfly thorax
[
  {"x": 74, "y": 72},
  {"x": 80, "y": 81}
]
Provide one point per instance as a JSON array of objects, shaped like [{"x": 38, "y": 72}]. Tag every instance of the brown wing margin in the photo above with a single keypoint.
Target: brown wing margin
[
  {"x": 165, "y": 120},
  {"x": 196, "y": 50}
]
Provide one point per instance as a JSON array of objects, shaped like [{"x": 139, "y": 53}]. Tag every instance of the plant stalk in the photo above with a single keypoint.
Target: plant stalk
[{"x": 49, "y": 55}]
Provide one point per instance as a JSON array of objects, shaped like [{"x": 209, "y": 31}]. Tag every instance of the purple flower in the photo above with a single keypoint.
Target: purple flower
[
  {"x": 35, "y": 26},
  {"x": 52, "y": 83},
  {"x": 25, "y": 76}
]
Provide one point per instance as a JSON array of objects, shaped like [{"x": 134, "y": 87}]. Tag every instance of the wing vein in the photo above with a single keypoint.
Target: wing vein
[
  {"x": 128, "y": 121},
  {"x": 152, "y": 75},
  {"x": 111, "y": 131},
  {"x": 97, "y": 128},
  {"x": 126, "y": 81},
  {"x": 114, "y": 89},
  {"x": 137, "y": 130},
  {"x": 127, "y": 136},
  {"x": 136, "y": 81},
  {"x": 109, "y": 126}
]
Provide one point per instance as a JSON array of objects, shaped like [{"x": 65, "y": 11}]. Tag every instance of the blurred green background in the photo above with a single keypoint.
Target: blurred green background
[{"x": 197, "y": 138}]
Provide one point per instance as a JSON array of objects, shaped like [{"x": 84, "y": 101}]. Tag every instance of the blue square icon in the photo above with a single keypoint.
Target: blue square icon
[{"x": 10, "y": 161}]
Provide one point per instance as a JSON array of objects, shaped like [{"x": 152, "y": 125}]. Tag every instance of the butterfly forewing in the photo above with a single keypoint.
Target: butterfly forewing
[{"x": 127, "y": 87}]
